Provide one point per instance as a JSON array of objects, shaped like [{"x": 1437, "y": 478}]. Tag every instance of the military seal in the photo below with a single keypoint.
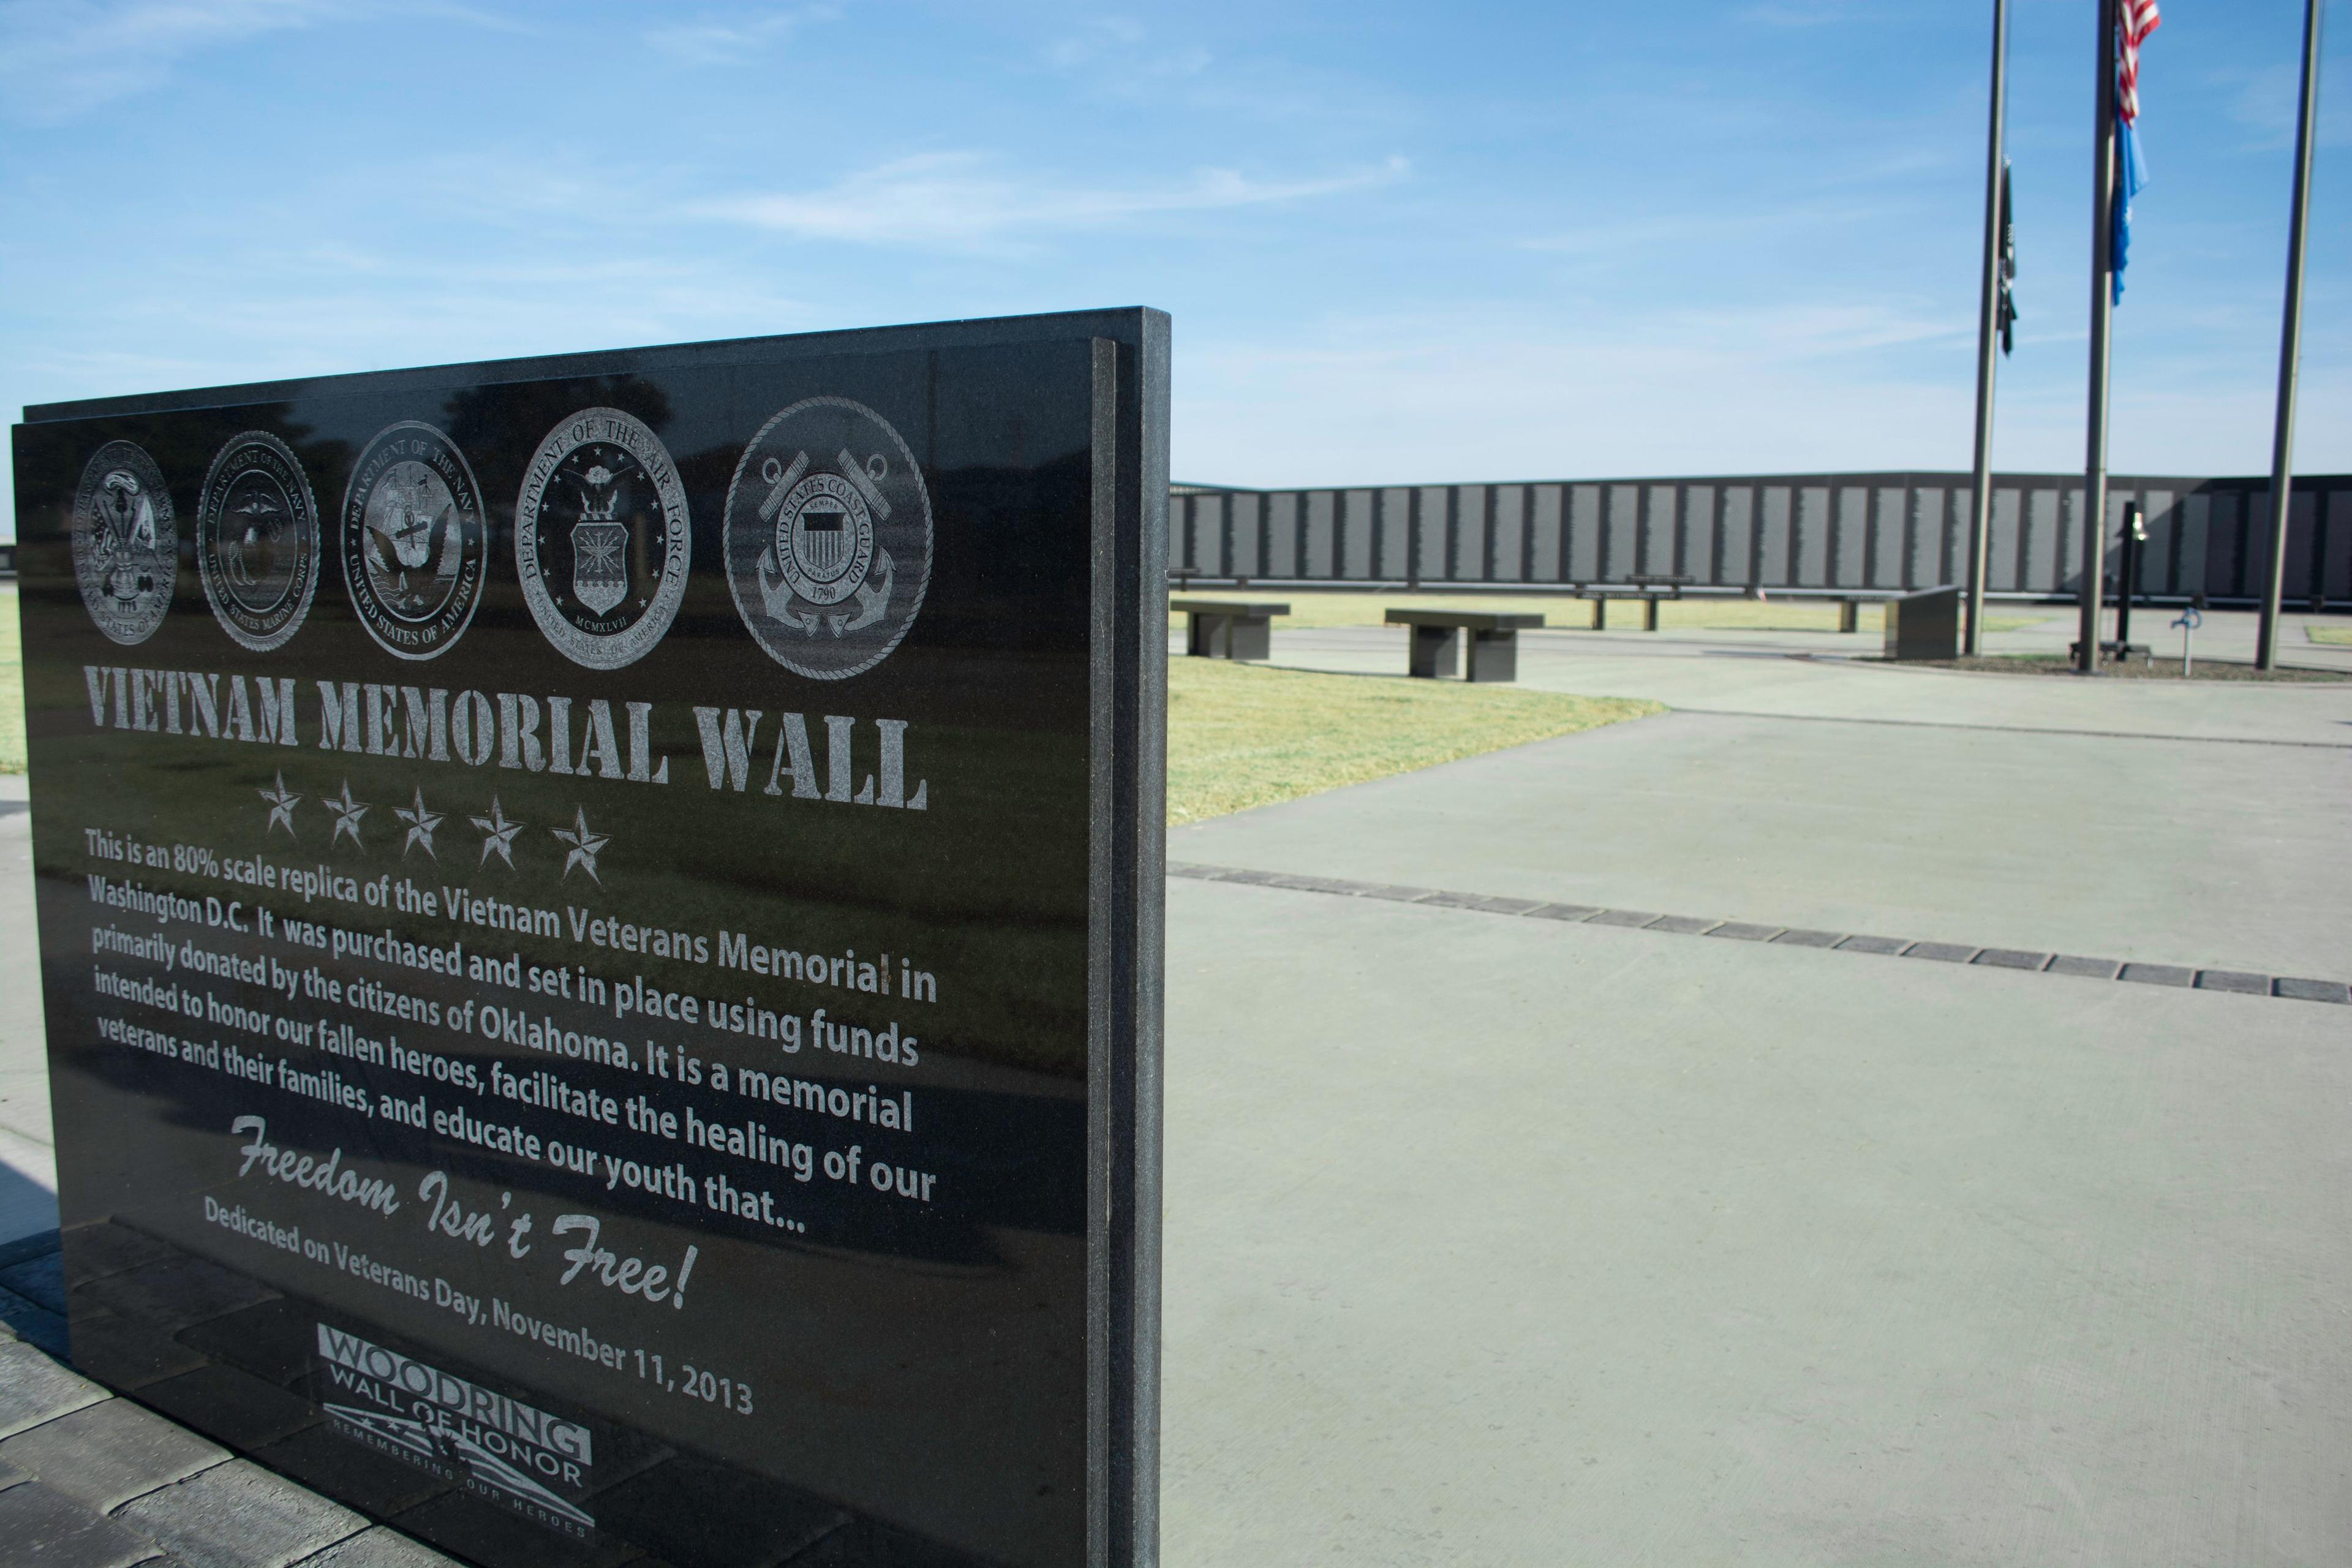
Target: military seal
[
  {"x": 602, "y": 538},
  {"x": 126, "y": 542},
  {"x": 828, "y": 538},
  {"x": 258, "y": 540},
  {"x": 415, "y": 548}
]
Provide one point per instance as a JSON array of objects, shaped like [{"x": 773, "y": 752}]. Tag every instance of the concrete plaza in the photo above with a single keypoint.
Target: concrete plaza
[
  {"x": 1495, "y": 1237},
  {"x": 1541, "y": 1188}
]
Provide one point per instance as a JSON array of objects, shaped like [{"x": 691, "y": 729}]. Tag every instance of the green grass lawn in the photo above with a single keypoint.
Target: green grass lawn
[
  {"x": 1566, "y": 611},
  {"x": 11, "y": 684},
  {"x": 1241, "y": 735},
  {"x": 2329, "y": 637}
]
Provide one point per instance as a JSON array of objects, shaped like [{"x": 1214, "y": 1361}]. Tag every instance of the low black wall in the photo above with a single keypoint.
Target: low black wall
[{"x": 1868, "y": 533}]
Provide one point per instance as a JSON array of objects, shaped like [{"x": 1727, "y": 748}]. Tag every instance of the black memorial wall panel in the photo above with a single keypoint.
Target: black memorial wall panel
[{"x": 599, "y": 928}]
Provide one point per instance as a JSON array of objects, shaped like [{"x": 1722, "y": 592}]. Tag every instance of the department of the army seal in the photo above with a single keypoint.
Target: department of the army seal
[
  {"x": 258, "y": 540},
  {"x": 415, "y": 548},
  {"x": 602, "y": 538},
  {"x": 828, "y": 538},
  {"x": 126, "y": 542}
]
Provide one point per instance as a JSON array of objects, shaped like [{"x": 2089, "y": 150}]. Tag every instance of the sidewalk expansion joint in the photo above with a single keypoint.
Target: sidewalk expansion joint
[
  {"x": 2018, "y": 728},
  {"x": 2243, "y": 983}
]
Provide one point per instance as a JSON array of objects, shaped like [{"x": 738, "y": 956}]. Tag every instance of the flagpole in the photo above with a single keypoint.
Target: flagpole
[
  {"x": 1987, "y": 329},
  {"x": 2095, "y": 466},
  {"x": 2290, "y": 346}
]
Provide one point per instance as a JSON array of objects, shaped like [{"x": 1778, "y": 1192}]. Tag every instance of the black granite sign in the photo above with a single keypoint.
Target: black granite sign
[{"x": 600, "y": 927}]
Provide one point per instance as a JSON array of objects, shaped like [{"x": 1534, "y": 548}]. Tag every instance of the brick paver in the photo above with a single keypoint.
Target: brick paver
[{"x": 91, "y": 1481}]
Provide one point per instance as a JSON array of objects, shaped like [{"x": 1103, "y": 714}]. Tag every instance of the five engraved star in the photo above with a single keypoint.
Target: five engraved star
[
  {"x": 420, "y": 824},
  {"x": 281, "y": 806},
  {"x": 585, "y": 846},
  {"x": 348, "y": 813},
  {"x": 500, "y": 835},
  {"x": 499, "y": 830}
]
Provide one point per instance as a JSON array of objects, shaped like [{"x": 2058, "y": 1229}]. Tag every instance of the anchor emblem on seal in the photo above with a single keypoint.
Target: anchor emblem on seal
[
  {"x": 828, "y": 537},
  {"x": 824, "y": 550}
]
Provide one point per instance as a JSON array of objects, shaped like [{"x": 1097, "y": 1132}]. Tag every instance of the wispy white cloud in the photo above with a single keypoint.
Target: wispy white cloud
[
  {"x": 1780, "y": 388},
  {"x": 61, "y": 59},
  {"x": 962, "y": 201},
  {"x": 1126, "y": 45},
  {"x": 739, "y": 41},
  {"x": 1799, "y": 13},
  {"x": 2264, "y": 100},
  {"x": 1629, "y": 240}
]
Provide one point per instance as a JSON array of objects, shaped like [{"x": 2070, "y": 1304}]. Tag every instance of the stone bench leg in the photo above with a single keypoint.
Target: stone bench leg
[
  {"x": 1650, "y": 613},
  {"x": 1849, "y": 615},
  {"x": 1599, "y": 615},
  {"x": 1435, "y": 652},
  {"x": 1211, "y": 636},
  {"x": 1495, "y": 655}
]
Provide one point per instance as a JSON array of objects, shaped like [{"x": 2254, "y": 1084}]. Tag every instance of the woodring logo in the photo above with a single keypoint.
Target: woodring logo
[{"x": 494, "y": 1445}]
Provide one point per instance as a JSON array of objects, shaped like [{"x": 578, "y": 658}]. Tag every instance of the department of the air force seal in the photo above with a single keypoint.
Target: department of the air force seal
[
  {"x": 258, "y": 540},
  {"x": 602, "y": 539},
  {"x": 126, "y": 542},
  {"x": 415, "y": 549},
  {"x": 828, "y": 538}
]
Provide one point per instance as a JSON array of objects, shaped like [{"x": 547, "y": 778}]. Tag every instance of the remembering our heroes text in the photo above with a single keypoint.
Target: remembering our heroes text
[{"x": 554, "y": 735}]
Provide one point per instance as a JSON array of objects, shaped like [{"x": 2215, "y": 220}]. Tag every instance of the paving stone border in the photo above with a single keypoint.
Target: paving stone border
[
  {"x": 91, "y": 1481},
  {"x": 2243, "y": 982},
  {"x": 2027, "y": 728}
]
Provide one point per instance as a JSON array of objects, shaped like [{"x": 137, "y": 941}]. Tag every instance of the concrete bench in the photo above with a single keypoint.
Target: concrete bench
[
  {"x": 2113, "y": 651},
  {"x": 1849, "y": 607},
  {"x": 1437, "y": 640},
  {"x": 1228, "y": 629},
  {"x": 1648, "y": 589}
]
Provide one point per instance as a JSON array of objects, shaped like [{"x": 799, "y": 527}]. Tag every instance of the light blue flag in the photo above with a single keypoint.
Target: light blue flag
[{"x": 2135, "y": 179}]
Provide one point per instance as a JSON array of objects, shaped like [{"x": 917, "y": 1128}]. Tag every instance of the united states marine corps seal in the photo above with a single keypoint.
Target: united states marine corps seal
[
  {"x": 828, "y": 538},
  {"x": 415, "y": 548},
  {"x": 126, "y": 542},
  {"x": 258, "y": 540},
  {"x": 602, "y": 538}
]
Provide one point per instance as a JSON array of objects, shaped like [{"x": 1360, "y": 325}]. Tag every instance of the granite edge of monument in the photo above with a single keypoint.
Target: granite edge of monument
[
  {"x": 1126, "y": 893},
  {"x": 1128, "y": 834},
  {"x": 1121, "y": 324}
]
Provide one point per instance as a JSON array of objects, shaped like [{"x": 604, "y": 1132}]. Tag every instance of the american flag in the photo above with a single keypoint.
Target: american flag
[{"x": 2134, "y": 20}]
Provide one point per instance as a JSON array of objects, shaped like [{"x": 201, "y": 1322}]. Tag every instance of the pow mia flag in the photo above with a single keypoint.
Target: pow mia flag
[
  {"x": 616, "y": 961},
  {"x": 2006, "y": 318}
]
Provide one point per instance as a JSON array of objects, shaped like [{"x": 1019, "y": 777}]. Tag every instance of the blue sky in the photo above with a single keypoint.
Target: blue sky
[{"x": 1400, "y": 241}]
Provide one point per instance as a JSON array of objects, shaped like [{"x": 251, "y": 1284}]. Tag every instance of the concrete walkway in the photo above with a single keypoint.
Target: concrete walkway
[
  {"x": 28, "y": 1164},
  {"x": 1814, "y": 675},
  {"x": 1507, "y": 1235},
  {"x": 1502, "y": 1242},
  {"x": 2175, "y": 852}
]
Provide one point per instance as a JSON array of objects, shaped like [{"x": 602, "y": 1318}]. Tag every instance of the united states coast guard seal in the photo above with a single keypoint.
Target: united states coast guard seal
[
  {"x": 126, "y": 542},
  {"x": 828, "y": 538},
  {"x": 414, "y": 545},
  {"x": 258, "y": 540},
  {"x": 602, "y": 538}
]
